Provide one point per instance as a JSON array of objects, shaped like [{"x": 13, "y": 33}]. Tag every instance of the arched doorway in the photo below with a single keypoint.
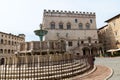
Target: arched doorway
[
  {"x": 2, "y": 61},
  {"x": 86, "y": 51},
  {"x": 77, "y": 54},
  {"x": 1, "y": 51},
  {"x": 62, "y": 45},
  {"x": 5, "y": 51},
  {"x": 94, "y": 51},
  {"x": 101, "y": 51},
  {"x": 8, "y": 51}
]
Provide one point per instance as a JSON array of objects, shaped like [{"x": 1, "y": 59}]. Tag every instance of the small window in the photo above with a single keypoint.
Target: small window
[
  {"x": 9, "y": 51},
  {"x": 2, "y": 61},
  {"x": 5, "y": 41},
  {"x": 82, "y": 42},
  {"x": 77, "y": 54},
  {"x": 68, "y": 26},
  {"x": 75, "y": 20},
  {"x": 91, "y": 21},
  {"x": 89, "y": 39},
  {"x": 5, "y": 51},
  {"x": 116, "y": 33},
  {"x": 60, "y": 25},
  {"x": 1, "y": 50},
  {"x": 12, "y": 43},
  {"x": 52, "y": 25},
  {"x": 80, "y": 26},
  {"x": 87, "y": 26},
  {"x": 2, "y": 35},
  {"x": 114, "y": 23},
  {"x": 1, "y": 41},
  {"x": 95, "y": 41},
  {"x": 70, "y": 43},
  {"x": 12, "y": 51},
  {"x": 15, "y": 43}
]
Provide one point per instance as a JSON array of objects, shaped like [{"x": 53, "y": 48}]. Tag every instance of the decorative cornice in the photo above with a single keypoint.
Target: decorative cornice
[{"x": 67, "y": 13}]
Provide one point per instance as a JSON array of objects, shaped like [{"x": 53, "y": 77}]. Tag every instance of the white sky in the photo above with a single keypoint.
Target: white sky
[{"x": 24, "y": 16}]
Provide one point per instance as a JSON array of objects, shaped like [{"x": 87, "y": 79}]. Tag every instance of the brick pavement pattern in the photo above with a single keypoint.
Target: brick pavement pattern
[
  {"x": 100, "y": 73},
  {"x": 112, "y": 62}
]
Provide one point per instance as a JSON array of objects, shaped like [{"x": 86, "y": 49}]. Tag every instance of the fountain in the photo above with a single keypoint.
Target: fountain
[{"x": 41, "y": 32}]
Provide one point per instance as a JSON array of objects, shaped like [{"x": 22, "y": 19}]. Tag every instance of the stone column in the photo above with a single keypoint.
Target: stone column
[
  {"x": 98, "y": 52},
  {"x": 32, "y": 45},
  {"x": 13, "y": 61},
  {"x": 90, "y": 51},
  {"x": 32, "y": 58},
  {"x": 40, "y": 46},
  {"x": 38, "y": 60},
  {"x": 26, "y": 62},
  {"x": 48, "y": 44},
  {"x": 66, "y": 45},
  {"x": 26, "y": 46}
]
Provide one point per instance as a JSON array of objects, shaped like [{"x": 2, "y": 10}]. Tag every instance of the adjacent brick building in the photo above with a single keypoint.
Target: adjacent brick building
[
  {"x": 9, "y": 43},
  {"x": 109, "y": 35}
]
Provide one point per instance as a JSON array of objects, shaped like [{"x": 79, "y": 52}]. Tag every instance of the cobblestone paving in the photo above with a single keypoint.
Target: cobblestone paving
[
  {"x": 100, "y": 73},
  {"x": 113, "y": 63}
]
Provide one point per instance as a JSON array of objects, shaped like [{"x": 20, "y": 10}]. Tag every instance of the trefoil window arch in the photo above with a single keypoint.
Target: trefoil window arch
[
  {"x": 68, "y": 26},
  {"x": 60, "y": 25},
  {"x": 87, "y": 26},
  {"x": 80, "y": 26},
  {"x": 52, "y": 25}
]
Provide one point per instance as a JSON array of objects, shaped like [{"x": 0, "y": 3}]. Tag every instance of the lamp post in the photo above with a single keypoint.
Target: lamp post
[{"x": 90, "y": 47}]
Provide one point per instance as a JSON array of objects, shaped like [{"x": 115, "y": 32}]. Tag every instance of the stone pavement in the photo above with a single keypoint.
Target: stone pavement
[
  {"x": 112, "y": 62},
  {"x": 100, "y": 73}
]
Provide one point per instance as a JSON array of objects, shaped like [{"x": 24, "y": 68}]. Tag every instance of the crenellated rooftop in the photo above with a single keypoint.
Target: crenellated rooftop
[{"x": 72, "y": 13}]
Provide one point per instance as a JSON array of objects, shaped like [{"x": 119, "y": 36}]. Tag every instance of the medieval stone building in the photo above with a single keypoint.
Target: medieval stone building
[
  {"x": 109, "y": 35},
  {"x": 9, "y": 43},
  {"x": 70, "y": 42},
  {"x": 76, "y": 29}
]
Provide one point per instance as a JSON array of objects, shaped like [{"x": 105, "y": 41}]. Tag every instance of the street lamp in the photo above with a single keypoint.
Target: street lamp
[{"x": 89, "y": 47}]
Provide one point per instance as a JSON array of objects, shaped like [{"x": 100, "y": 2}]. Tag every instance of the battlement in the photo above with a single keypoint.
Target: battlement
[{"x": 73, "y": 13}]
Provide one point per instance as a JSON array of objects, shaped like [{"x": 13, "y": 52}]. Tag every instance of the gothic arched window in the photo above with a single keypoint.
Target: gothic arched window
[
  {"x": 9, "y": 51},
  {"x": 80, "y": 26},
  {"x": 8, "y": 42},
  {"x": 1, "y": 50},
  {"x": 89, "y": 39},
  {"x": 60, "y": 25},
  {"x": 68, "y": 26},
  {"x": 52, "y": 25},
  {"x": 1, "y": 41},
  {"x": 91, "y": 21},
  {"x": 87, "y": 26}
]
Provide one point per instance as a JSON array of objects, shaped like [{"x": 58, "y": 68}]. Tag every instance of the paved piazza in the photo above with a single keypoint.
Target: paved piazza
[{"x": 112, "y": 62}]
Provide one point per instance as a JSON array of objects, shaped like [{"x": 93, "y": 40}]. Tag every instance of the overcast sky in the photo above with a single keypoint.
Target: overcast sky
[{"x": 24, "y": 16}]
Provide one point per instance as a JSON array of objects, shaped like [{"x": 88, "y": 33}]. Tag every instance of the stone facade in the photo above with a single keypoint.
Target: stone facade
[
  {"x": 67, "y": 51},
  {"x": 109, "y": 35},
  {"x": 75, "y": 28},
  {"x": 9, "y": 43}
]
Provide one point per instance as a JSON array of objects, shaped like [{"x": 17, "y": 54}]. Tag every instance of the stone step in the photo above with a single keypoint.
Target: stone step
[
  {"x": 65, "y": 75},
  {"x": 43, "y": 71}
]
